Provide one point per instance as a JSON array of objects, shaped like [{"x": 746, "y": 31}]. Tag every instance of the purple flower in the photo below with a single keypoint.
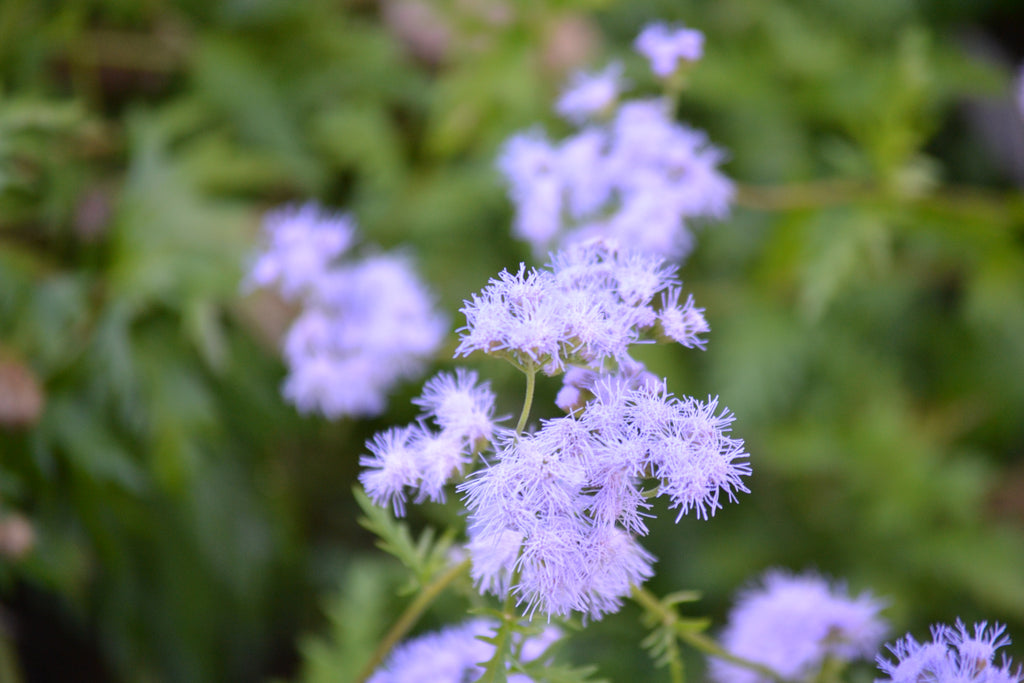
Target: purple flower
[
  {"x": 460, "y": 405},
  {"x": 590, "y": 93},
  {"x": 418, "y": 459},
  {"x": 792, "y": 623},
  {"x": 452, "y": 655},
  {"x": 589, "y": 307},
  {"x": 665, "y": 45},
  {"x": 954, "y": 654},
  {"x": 639, "y": 179},
  {"x": 365, "y": 325},
  {"x": 301, "y": 243},
  {"x": 560, "y": 507}
]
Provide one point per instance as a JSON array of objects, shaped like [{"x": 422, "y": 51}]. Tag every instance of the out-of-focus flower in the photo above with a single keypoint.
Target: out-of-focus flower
[
  {"x": 365, "y": 325},
  {"x": 453, "y": 654},
  {"x": 954, "y": 654},
  {"x": 590, "y": 94},
  {"x": 792, "y": 623},
  {"x": 638, "y": 178},
  {"x": 665, "y": 45}
]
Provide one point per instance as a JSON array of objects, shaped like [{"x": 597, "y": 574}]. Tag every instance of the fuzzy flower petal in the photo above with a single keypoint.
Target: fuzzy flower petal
[{"x": 792, "y": 623}]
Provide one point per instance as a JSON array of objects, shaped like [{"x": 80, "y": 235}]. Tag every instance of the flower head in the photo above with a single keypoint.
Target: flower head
[
  {"x": 590, "y": 93},
  {"x": 453, "y": 654},
  {"x": 639, "y": 178},
  {"x": 365, "y": 324},
  {"x": 792, "y": 623},
  {"x": 665, "y": 45},
  {"x": 591, "y": 304},
  {"x": 562, "y": 505},
  {"x": 954, "y": 654}
]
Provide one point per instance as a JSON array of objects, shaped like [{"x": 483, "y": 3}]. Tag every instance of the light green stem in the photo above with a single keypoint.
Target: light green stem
[
  {"x": 668, "y": 617},
  {"x": 410, "y": 616},
  {"x": 531, "y": 381}
]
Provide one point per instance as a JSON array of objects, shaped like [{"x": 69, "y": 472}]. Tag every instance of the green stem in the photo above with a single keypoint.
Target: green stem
[
  {"x": 685, "y": 632},
  {"x": 531, "y": 381},
  {"x": 411, "y": 615}
]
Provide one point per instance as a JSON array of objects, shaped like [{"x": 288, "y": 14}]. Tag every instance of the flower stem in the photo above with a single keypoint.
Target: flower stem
[
  {"x": 410, "y": 616},
  {"x": 694, "y": 638},
  {"x": 531, "y": 381}
]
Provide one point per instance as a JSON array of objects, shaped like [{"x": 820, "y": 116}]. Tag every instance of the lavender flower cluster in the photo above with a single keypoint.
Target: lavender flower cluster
[
  {"x": 363, "y": 325},
  {"x": 954, "y": 654},
  {"x": 793, "y": 623},
  {"x": 452, "y": 655},
  {"x": 554, "y": 513},
  {"x": 630, "y": 172},
  {"x": 795, "y": 626}
]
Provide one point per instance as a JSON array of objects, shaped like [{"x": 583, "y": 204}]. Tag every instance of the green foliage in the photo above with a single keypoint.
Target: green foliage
[{"x": 866, "y": 300}]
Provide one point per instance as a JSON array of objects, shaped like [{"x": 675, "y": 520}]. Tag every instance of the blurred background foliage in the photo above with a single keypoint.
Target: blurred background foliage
[{"x": 165, "y": 516}]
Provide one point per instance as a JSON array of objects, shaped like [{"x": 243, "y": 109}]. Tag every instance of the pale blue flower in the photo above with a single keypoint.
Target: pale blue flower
[
  {"x": 954, "y": 655},
  {"x": 453, "y": 654},
  {"x": 638, "y": 178},
  {"x": 562, "y": 505},
  {"x": 301, "y": 243},
  {"x": 591, "y": 304},
  {"x": 590, "y": 94},
  {"x": 664, "y": 45},
  {"x": 365, "y": 324},
  {"x": 793, "y": 623}
]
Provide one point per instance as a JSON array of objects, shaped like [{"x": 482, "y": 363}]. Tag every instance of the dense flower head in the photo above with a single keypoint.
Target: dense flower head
[
  {"x": 792, "y": 623},
  {"x": 665, "y": 45},
  {"x": 416, "y": 458},
  {"x": 453, "y": 654},
  {"x": 587, "y": 307},
  {"x": 365, "y": 324},
  {"x": 955, "y": 654},
  {"x": 561, "y": 506},
  {"x": 635, "y": 175}
]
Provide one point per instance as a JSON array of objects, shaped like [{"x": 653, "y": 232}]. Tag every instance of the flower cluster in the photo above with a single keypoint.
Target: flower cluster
[
  {"x": 792, "y": 623},
  {"x": 630, "y": 172},
  {"x": 954, "y": 654},
  {"x": 364, "y": 325},
  {"x": 559, "y": 508},
  {"x": 453, "y": 654},
  {"x": 665, "y": 45},
  {"x": 587, "y": 307},
  {"x": 416, "y": 457},
  {"x": 555, "y": 512}
]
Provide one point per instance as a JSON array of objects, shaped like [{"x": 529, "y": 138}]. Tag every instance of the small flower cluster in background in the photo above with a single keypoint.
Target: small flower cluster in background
[
  {"x": 792, "y": 624},
  {"x": 630, "y": 172},
  {"x": 363, "y": 325}
]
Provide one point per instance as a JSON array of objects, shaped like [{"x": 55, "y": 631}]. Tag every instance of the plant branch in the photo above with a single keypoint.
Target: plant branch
[{"x": 411, "y": 615}]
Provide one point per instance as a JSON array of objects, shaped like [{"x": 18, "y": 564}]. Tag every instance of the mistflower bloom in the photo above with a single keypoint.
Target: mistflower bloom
[
  {"x": 453, "y": 654},
  {"x": 590, "y": 94},
  {"x": 639, "y": 178},
  {"x": 793, "y": 623},
  {"x": 301, "y": 242},
  {"x": 954, "y": 654},
  {"x": 588, "y": 307},
  {"x": 418, "y": 460},
  {"x": 365, "y": 324},
  {"x": 460, "y": 405},
  {"x": 561, "y": 505},
  {"x": 665, "y": 45}
]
